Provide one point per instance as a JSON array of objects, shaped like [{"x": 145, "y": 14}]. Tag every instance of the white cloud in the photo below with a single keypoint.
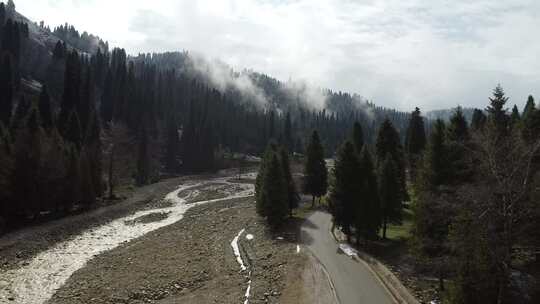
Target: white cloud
[{"x": 431, "y": 53}]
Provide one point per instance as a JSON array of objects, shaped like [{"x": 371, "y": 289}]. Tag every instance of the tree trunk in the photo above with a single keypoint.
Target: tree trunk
[
  {"x": 384, "y": 229},
  {"x": 313, "y": 202}
]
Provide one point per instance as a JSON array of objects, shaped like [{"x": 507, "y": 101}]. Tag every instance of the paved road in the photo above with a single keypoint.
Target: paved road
[{"x": 354, "y": 282}]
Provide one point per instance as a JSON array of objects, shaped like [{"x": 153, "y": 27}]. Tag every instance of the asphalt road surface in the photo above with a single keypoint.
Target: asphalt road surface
[{"x": 353, "y": 281}]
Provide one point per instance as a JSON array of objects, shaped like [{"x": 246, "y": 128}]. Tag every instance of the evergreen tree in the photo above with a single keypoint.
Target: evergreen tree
[
  {"x": 389, "y": 194},
  {"x": 515, "y": 117},
  {"x": 497, "y": 111},
  {"x": 21, "y": 113},
  {"x": 316, "y": 174},
  {"x": 143, "y": 159},
  {"x": 368, "y": 213},
  {"x": 45, "y": 110},
  {"x": 72, "y": 194},
  {"x": 261, "y": 202},
  {"x": 358, "y": 137},
  {"x": 530, "y": 107},
  {"x": 389, "y": 144},
  {"x": 346, "y": 190},
  {"x": 73, "y": 131},
  {"x": 275, "y": 192},
  {"x": 415, "y": 141},
  {"x": 478, "y": 119},
  {"x": 6, "y": 91},
  {"x": 458, "y": 130},
  {"x": 88, "y": 191},
  {"x": 436, "y": 171},
  {"x": 288, "y": 136},
  {"x": 172, "y": 145},
  {"x": 292, "y": 196}
]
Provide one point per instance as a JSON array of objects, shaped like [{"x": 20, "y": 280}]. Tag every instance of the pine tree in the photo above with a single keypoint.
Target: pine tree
[
  {"x": 515, "y": 117},
  {"x": 292, "y": 195},
  {"x": 6, "y": 91},
  {"x": 368, "y": 215},
  {"x": 497, "y": 111},
  {"x": 72, "y": 194},
  {"x": 288, "y": 136},
  {"x": 88, "y": 191},
  {"x": 143, "y": 159},
  {"x": 436, "y": 171},
  {"x": 346, "y": 190},
  {"x": 478, "y": 120},
  {"x": 21, "y": 112},
  {"x": 73, "y": 132},
  {"x": 172, "y": 147},
  {"x": 530, "y": 107},
  {"x": 261, "y": 203},
  {"x": 45, "y": 111},
  {"x": 458, "y": 130},
  {"x": 389, "y": 194},
  {"x": 358, "y": 137},
  {"x": 275, "y": 193},
  {"x": 316, "y": 174},
  {"x": 389, "y": 144},
  {"x": 415, "y": 141}
]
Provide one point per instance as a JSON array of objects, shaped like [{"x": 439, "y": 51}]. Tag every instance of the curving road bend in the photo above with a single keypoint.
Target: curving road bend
[{"x": 353, "y": 281}]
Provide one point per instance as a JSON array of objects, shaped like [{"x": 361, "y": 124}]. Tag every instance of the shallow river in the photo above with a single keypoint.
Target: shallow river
[{"x": 37, "y": 280}]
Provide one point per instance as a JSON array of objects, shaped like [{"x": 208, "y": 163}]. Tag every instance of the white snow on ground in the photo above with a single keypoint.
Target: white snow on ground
[
  {"x": 36, "y": 281},
  {"x": 248, "y": 290},
  {"x": 236, "y": 250},
  {"x": 348, "y": 250}
]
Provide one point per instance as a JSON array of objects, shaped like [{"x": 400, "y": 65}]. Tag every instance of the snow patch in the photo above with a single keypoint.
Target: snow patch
[{"x": 236, "y": 250}]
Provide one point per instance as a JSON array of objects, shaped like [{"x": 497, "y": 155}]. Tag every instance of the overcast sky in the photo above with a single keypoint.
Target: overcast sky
[{"x": 431, "y": 53}]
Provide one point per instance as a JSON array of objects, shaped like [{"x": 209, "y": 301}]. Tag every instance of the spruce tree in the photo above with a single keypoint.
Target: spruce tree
[
  {"x": 415, "y": 141},
  {"x": 515, "y": 117},
  {"x": 73, "y": 132},
  {"x": 316, "y": 173},
  {"x": 478, "y": 119},
  {"x": 292, "y": 196},
  {"x": 288, "y": 136},
  {"x": 368, "y": 213},
  {"x": 389, "y": 144},
  {"x": 45, "y": 110},
  {"x": 6, "y": 91},
  {"x": 458, "y": 130},
  {"x": 530, "y": 107},
  {"x": 436, "y": 167},
  {"x": 21, "y": 112},
  {"x": 358, "y": 137},
  {"x": 346, "y": 190},
  {"x": 275, "y": 193},
  {"x": 497, "y": 111},
  {"x": 390, "y": 194},
  {"x": 88, "y": 191},
  {"x": 260, "y": 198}
]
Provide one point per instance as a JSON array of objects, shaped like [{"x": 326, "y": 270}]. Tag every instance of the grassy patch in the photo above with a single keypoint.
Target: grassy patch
[{"x": 401, "y": 232}]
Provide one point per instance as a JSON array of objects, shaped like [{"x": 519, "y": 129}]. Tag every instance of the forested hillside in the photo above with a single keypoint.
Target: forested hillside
[{"x": 79, "y": 119}]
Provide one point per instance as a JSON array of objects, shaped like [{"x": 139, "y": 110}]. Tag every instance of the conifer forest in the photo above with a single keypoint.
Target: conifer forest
[{"x": 442, "y": 204}]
